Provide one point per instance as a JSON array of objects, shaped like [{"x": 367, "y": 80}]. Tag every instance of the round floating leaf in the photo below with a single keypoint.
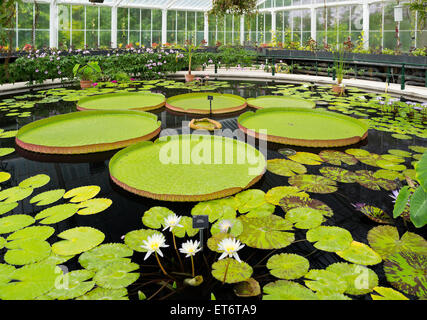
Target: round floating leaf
[
  {"x": 215, "y": 209},
  {"x": 287, "y": 290},
  {"x": 186, "y": 229},
  {"x": 77, "y": 240},
  {"x": 305, "y": 218},
  {"x": 329, "y": 238},
  {"x": 360, "y": 279},
  {"x": 306, "y": 158},
  {"x": 401, "y": 136},
  {"x": 388, "y": 174},
  {"x": 313, "y": 183},
  {"x": 155, "y": 217},
  {"x": 93, "y": 206},
  {"x": 4, "y": 176},
  {"x": 338, "y": 174},
  {"x": 288, "y": 266},
  {"x": 117, "y": 275},
  {"x": 419, "y": 149},
  {"x": 358, "y": 152},
  {"x": 82, "y": 193},
  {"x": 6, "y": 272},
  {"x": 266, "y": 233},
  {"x": 331, "y": 296},
  {"x": 283, "y": 167},
  {"x": 30, "y": 281},
  {"x": 213, "y": 241},
  {"x": 105, "y": 294},
  {"x": 325, "y": 281},
  {"x": 6, "y": 151},
  {"x": 36, "y": 181},
  {"x": 366, "y": 179},
  {"x": 392, "y": 158},
  {"x": 387, "y": 294},
  {"x": 9, "y": 134},
  {"x": 47, "y": 197},
  {"x": 274, "y": 195},
  {"x": 235, "y": 230},
  {"x": 97, "y": 258},
  {"x": 248, "y": 288},
  {"x": 289, "y": 203},
  {"x": 385, "y": 241},
  {"x": 6, "y": 207},
  {"x": 15, "y": 222},
  {"x": 29, "y": 251},
  {"x": 72, "y": 285},
  {"x": 236, "y": 271},
  {"x": 14, "y": 194},
  {"x": 385, "y": 164},
  {"x": 2, "y": 242},
  {"x": 406, "y": 271},
  {"x": 250, "y": 199},
  {"x": 57, "y": 213},
  {"x": 29, "y": 233},
  {"x": 337, "y": 157},
  {"x": 134, "y": 239},
  {"x": 55, "y": 259},
  {"x": 376, "y": 214},
  {"x": 360, "y": 253},
  {"x": 263, "y": 210}
]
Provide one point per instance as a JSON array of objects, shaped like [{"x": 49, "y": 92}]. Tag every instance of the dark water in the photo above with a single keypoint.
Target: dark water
[{"x": 125, "y": 213}]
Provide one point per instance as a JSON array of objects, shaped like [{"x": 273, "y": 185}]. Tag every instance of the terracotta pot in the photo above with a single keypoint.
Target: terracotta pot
[
  {"x": 338, "y": 88},
  {"x": 189, "y": 77},
  {"x": 85, "y": 84}
]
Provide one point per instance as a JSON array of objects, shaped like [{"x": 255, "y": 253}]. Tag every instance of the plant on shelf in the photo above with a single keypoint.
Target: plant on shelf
[
  {"x": 339, "y": 69},
  {"x": 87, "y": 73},
  {"x": 236, "y": 7},
  {"x": 422, "y": 52},
  {"x": 189, "y": 48}
]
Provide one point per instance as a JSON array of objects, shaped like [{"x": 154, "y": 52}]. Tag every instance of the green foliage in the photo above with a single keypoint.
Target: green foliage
[{"x": 89, "y": 71}]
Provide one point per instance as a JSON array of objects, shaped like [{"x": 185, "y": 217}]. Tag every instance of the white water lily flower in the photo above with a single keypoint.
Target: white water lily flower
[
  {"x": 153, "y": 244},
  {"x": 190, "y": 248},
  {"x": 230, "y": 246},
  {"x": 172, "y": 221},
  {"x": 225, "y": 225}
]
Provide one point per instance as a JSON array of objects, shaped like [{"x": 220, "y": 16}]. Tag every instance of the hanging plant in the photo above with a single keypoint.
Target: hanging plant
[{"x": 237, "y": 7}]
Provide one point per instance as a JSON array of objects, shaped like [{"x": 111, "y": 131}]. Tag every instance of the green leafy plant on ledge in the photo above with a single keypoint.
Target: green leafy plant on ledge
[{"x": 88, "y": 72}]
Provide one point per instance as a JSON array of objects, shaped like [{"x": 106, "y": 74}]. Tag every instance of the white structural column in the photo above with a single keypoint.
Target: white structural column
[
  {"x": 365, "y": 7},
  {"x": 53, "y": 24},
  {"x": 206, "y": 27},
  {"x": 273, "y": 24},
  {"x": 313, "y": 29},
  {"x": 114, "y": 27},
  {"x": 242, "y": 30},
  {"x": 164, "y": 26}
]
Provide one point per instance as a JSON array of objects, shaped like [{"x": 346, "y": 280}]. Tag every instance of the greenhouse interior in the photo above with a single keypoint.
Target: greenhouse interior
[{"x": 203, "y": 150}]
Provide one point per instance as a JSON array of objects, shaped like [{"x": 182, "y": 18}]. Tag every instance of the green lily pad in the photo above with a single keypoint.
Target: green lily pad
[
  {"x": 360, "y": 253},
  {"x": 385, "y": 241},
  {"x": 28, "y": 251},
  {"x": 2, "y": 242},
  {"x": 4, "y": 176},
  {"x": 134, "y": 239},
  {"x": 263, "y": 210},
  {"x": 247, "y": 288},
  {"x": 274, "y": 195},
  {"x": 389, "y": 165},
  {"x": 337, "y": 157},
  {"x": 105, "y": 294},
  {"x": 330, "y": 238},
  {"x": 117, "y": 275},
  {"x": 29, "y": 233},
  {"x": 36, "y": 181},
  {"x": 57, "y": 213},
  {"x": 93, "y": 206},
  {"x": 80, "y": 194},
  {"x": 313, "y": 183},
  {"x": 155, "y": 217},
  {"x": 288, "y": 203},
  {"x": 250, "y": 199},
  {"x": 47, "y": 197},
  {"x": 235, "y": 230},
  {"x": 360, "y": 279},
  {"x": 392, "y": 158},
  {"x": 305, "y": 218},
  {"x": 6, "y": 207},
  {"x": 287, "y": 168},
  {"x": 376, "y": 214},
  {"x": 77, "y": 240},
  {"x": 213, "y": 241},
  {"x": 215, "y": 209},
  {"x": 401, "y": 136},
  {"x": 338, "y": 174},
  {"x": 288, "y": 266},
  {"x": 186, "y": 229},
  {"x": 287, "y": 290},
  {"x": 307, "y": 158},
  {"x": 406, "y": 271},
  {"x": 419, "y": 149},
  {"x": 236, "y": 271},
  {"x": 325, "y": 281},
  {"x": 30, "y": 281},
  {"x": 15, "y": 222},
  {"x": 53, "y": 258},
  {"x": 6, "y": 151},
  {"x": 98, "y": 257},
  {"x": 266, "y": 233},
  {"x": 331, "y": 296},
  {"x": 387, "y": 294},
  {"x": 367, "y": 179},
  {"x": 388, "y": 174},
  {"x": 72, "y": 285},
  {"x": 14, "y": 194},
  {"x": 6, "y": 272}
]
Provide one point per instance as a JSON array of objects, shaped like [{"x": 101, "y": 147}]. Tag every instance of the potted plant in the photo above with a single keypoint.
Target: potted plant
[
  {"x": 87, "y": 73},
  {"x": 189, "y": 48},
  {"x": 339, "y": 70}
]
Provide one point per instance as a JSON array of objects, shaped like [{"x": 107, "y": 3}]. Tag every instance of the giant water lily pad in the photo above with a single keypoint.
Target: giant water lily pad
[
  {"x": 288, "y": 266},
  {"x": 338, "y": 174},
  {"x": 337, "y": 157},
  {"x": 229, "y": 165},
  {"x": 287, "y": 168},
  {"x": 72, "y": 285},
  {"x": 98, "y": 257},
  {"x": 134, "y": 239},
  {"x": 36, "y": 181},
  {"x": 406, "y": 271},
  {"x": 385, "y": 241},
  {"x": 28, "y": 251},
  {"x": 15, "y": 222},
  {"x": 274, "y": 195},
  {"x": 93, "y": 206},
  {"x": 236, "y": 271},
  {"x": 29, "y": 282},
  {"x": 84, "y": 132},
  {"x": 313, "y": 183},
  {"x": 77, "y": 240},
  {"x": 80, "y": 194},
  {"x": 271, "y": 101},
  {"x": 117, "y": 275},
  {"x": 387, "y": 294},
  {"x": 360, "y": 253},
  {"x": 287, "y": 290},
  {"x": 325, "y": 281},
  {"x": 288, "y": 203},
  {"x": 267, "y": 232},
  {"x": 305, "y": 218},
  {"x": 105, "y": 294},
  {"x": 329, "y": 238},
  {"x": 360, "y": 279},
  {"x": 47, "y": 197},
  {"x": 57, "y": 213}
]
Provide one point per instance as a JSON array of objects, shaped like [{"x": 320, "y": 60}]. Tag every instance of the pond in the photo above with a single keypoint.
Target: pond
[{"x": 390, "y": 130}]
